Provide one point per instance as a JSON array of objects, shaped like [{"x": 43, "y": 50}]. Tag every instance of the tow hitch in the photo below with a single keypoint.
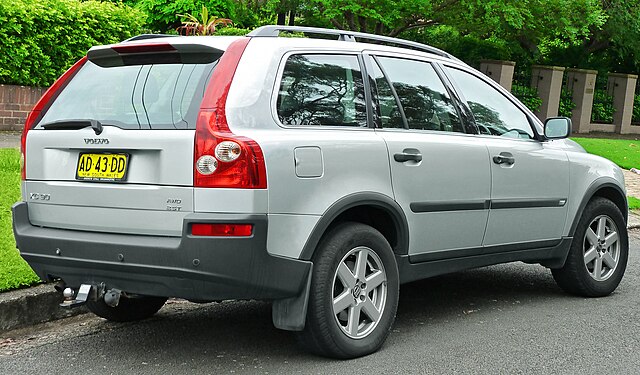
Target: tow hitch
[{"x": 90, "y": 292}]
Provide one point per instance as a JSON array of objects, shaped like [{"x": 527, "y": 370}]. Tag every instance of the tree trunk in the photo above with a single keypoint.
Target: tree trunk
[
  {"x": 282, "y": 17},
  {"x": 292, "y": 17}
]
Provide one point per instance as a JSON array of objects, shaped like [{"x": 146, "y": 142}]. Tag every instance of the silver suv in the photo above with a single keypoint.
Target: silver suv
[{"x": 318, "y": 174}]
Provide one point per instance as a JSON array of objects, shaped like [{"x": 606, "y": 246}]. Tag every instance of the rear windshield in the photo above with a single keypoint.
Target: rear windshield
[{"x": 159, "y": 96}]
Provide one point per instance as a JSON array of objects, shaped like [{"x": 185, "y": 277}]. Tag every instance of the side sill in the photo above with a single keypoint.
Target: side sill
[{"x": 551, "y": 256}]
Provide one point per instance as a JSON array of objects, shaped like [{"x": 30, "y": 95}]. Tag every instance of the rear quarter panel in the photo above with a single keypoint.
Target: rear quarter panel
[{"x": 353, "y": 160}]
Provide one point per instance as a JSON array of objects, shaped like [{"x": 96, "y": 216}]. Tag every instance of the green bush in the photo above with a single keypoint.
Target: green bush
[
  {"x": 162, "y": 15},
  {"x": 232, "y": 31},
  {"x": 40, "y": 39},
  {"x": 527, "y": 95},
  {"x": 603, "y": 109},
  {"x": 566, "y": 103},
  {"x": 635, "y": 118}
]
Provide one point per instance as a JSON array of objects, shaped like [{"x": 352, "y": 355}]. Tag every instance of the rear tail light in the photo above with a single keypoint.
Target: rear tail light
[
  {"x": 41, "y": 107},
  {"x": 223, "y": 159},
  {"x": 222, "y": 230}
]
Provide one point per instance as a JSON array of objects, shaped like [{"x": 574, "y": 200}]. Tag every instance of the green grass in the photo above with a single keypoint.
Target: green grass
[
  {"x": 623, "y": 152},
  {"x": 14, "y": 271},
  {"x": 634, "y": 203}
]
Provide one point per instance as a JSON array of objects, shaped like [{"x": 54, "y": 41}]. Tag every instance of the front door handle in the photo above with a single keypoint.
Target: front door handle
[
  {"x": 504, "y": 158},
  {"x": 406, "y": 156}
]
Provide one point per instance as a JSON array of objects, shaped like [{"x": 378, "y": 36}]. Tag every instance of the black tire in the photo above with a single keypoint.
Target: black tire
[
  {"x": 128, "y": 309},
  {"x": 323, "y": 334},
  {"x": 576, "y": 277}
]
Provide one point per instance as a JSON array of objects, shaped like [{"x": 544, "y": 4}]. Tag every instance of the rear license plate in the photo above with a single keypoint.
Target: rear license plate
[{"x": 102, "y": 167}]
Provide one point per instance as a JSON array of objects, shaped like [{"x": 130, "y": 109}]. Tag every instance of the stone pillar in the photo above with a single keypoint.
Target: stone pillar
[
  {"x": 623, "y": 88},
  {"x": 547, "y": 80},
  {"x": 499, "y": 71},
  {"x": 581, "y": 83}
]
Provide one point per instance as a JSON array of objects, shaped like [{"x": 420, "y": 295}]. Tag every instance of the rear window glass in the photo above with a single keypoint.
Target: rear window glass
[
  {"x": 162, "y": 96},
  {"x": 322, "y": 90}
]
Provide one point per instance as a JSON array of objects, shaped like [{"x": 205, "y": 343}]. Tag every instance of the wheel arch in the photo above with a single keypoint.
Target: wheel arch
[
  {"x": 375, "y": 209},
  {"x": 604, "y": 189}
]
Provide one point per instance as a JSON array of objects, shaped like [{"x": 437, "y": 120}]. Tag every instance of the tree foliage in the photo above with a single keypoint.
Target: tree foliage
[{"x": 40, "y": 39}]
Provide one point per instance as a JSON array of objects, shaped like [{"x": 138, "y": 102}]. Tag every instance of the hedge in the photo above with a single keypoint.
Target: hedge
[{"x": 40, "y": 39}]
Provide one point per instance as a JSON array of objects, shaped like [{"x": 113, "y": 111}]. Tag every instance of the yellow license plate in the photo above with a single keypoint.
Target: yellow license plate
[{"x": 102, "y": 167}]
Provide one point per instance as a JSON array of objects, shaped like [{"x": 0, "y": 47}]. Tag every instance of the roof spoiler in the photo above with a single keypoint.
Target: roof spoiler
[{"x": 150, "y": 52}]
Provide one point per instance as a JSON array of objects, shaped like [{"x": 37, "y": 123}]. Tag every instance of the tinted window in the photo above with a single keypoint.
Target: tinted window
[
  {"x": 322, "y": 90},
  {"x": 387, "y": 107},
  {"x": 493, "y": 112},
  {"x": 424, "y": 99},
  {"x": 163, "y": 96}
]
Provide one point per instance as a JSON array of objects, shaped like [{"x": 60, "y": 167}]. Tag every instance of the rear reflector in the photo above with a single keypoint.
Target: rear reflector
[{"x": 221, "y": 230}]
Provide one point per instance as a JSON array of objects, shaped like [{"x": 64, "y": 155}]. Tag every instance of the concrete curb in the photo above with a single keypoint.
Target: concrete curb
[
  {"x": 38, "y": 304},
  {"x": 633, "y": 221}
]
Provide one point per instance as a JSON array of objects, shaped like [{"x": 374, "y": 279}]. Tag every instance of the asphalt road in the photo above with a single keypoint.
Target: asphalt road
[{"x": 502, "y": 319}]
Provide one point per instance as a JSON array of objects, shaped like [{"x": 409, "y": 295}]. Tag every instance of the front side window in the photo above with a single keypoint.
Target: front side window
[
  {"x": 493, "y": 112},
  {"x": 322, "y": 90},
  {"x": 424, "y": 99}
]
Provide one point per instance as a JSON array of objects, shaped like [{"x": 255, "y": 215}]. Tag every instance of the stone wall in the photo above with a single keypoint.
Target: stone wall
[{"x": 15, "y": 104}]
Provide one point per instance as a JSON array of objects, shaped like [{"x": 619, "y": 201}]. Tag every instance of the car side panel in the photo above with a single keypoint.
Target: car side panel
[{"x": 351, "y": 159}]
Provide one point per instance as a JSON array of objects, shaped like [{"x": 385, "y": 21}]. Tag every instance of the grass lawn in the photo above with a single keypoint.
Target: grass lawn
[
  {"x": 623, "y": 152},
  {"x": 14, "y": 272},
  {"x": 634, "y": 203}
]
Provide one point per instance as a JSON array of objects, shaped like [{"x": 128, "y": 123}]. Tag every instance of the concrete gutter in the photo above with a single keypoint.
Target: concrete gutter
[{"x": 38, "y": 304}]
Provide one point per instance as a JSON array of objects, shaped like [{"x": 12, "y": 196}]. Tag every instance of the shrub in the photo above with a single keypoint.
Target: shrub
[
  {"x": 232, "y": 31},
  {"x": 566, "y": 103},
  {"x": 635, "y": 118},
  {"x": 527, "y": 95},
  {"x": 603, "y": 109},
  {"x": 40, "y": 39},
  {"x": 162, "y": 15}
]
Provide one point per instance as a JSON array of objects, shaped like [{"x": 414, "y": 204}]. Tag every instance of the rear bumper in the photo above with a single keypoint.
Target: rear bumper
[{"x": 197, "y": 268}]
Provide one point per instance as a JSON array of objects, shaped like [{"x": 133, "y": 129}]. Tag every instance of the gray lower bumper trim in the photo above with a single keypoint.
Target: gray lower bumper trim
[{"x": 199, "y": 268}]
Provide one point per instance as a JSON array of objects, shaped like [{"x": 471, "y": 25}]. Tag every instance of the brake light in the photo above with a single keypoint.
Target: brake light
[
  {"x": 223, "y": 159},
  {"x": 41, "y": 108},
  {"x": 221, "y": 230},
  {"x": 143, "y": 48}
]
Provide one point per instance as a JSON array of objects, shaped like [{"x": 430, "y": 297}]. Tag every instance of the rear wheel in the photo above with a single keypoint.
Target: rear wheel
[
  {"x": 128, "y": 309},
  {"x": 354, "y": 293},
  {"x": 598, "y": 255}
]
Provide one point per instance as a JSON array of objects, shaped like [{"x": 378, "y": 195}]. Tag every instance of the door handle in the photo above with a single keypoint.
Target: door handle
[
  {"x": 405, "y": 156},
  {"x": 504, "y": 158}
]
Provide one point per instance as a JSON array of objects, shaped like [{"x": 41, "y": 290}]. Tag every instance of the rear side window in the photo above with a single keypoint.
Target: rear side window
[
  {"x": 423, "y": 96},
  {"x": 158, "y": 96},
  {"x": 322, "y": 90}
]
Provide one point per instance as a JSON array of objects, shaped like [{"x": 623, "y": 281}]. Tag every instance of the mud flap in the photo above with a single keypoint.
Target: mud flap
[{"x": 290, "y": 314}]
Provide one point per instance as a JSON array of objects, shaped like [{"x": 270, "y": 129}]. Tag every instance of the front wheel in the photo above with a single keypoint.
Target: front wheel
[
  {"x": 599, "y": 252},
  {"x": 354, "y": 293}
]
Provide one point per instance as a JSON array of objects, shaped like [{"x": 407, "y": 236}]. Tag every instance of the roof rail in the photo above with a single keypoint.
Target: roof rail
[
  {"x": 347, "y": 36},
  {"x": 147, "y": 36}
]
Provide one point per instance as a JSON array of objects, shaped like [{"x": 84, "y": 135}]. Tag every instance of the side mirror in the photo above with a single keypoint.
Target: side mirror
[{"x": 557, "y": 127}]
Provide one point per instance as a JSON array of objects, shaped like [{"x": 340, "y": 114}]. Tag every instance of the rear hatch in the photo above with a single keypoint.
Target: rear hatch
[{"x": 114, "y": 151}]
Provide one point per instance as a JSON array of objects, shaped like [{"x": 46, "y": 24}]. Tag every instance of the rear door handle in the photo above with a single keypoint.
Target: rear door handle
[
  {"x": 406, "y": 156},
  {"x": 504, "y": 158}
]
